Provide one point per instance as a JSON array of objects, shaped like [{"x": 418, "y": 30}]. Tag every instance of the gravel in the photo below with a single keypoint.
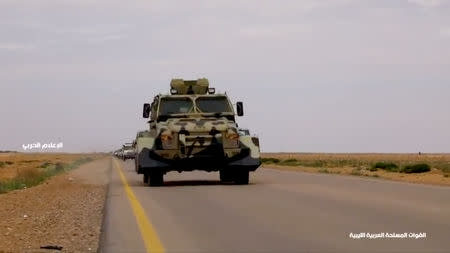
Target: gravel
[{"x": 66, "y": 211}]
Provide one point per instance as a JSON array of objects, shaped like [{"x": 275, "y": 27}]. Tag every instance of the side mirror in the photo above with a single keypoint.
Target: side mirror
[
  {"x": 240, "y": 108},
  {"x": 146, "y": 111}
]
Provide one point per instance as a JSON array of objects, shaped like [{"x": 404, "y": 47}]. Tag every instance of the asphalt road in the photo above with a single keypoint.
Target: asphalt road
[{"x": 279, "y": 211}]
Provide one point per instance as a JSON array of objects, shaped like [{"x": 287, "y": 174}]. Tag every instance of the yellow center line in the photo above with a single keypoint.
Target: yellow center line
[{"x": 148, "y": 233}]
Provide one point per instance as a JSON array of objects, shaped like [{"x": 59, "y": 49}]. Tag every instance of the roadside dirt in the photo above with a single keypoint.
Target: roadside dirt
[
  {"x": 12, "y": 163},
  {"x": 65, "y": 211},
  {"x": 359, "y": 164},
  {"x": 434, "y": 177}
]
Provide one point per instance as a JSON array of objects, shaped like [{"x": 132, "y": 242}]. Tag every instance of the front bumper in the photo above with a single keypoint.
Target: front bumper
[
  {"x": 150, "y": 160},
  {"x": 129, "y": 156}
]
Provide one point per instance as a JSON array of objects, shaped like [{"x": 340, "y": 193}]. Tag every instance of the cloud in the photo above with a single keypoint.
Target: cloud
[
  {"x": 15, "y": 46},
  {"x": 445, "y": 32},
  {"x": 105, "y": 38},
  {"x": 331, "y": 58},
  {"x": 274, "y": 31},
  {"x": 427, "y": 3}
]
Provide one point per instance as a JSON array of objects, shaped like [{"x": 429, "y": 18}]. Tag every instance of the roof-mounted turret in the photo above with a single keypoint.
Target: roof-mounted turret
[{"x": 183, "y": 87}]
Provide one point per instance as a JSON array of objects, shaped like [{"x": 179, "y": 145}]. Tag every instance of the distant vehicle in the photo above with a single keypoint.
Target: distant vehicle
[
  {"x": 120, "y": 154},
  {"x": 192, "y": 128},
  {"x": 128, "y": 151}
]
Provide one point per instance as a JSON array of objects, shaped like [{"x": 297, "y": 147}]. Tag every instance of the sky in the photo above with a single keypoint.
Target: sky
[{"x": 314, "y": 76}]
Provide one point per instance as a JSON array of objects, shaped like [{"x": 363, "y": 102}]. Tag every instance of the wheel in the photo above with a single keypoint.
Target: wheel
[
  {"x": 241, "y": 177},
  {"x": 156, "y": 178},
  {"x": 145, "y": 177},
  {"x": 226, "y": 176}
]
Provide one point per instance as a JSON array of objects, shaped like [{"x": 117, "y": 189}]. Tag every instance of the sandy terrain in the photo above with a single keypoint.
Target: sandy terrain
[
  {"x": 14, "y": 162},
  {"x": 359, "y": 164},
  {"x": 64, "y": 211},
  {"x": 413, "y": 158}
]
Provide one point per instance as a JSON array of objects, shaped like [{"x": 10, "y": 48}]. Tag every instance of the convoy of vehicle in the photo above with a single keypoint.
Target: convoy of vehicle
[
  {"x": 126, "y": 152},
  {"x": 193, "y": 128}
]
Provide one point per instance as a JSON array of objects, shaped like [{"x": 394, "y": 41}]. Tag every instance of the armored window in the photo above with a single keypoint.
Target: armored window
[
  {"x": 154, "y": 107},
  {"x": 213, "y": 104},
  {"x": 175, "y": 105},
  {"x": 244, "y": 132}
]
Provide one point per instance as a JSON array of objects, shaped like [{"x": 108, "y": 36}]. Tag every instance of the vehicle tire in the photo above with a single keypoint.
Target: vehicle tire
[
  {"x": 241, "y": 176},
  {"x": 226, "y": 176},
  {"x": 145, "y": 177},
  {"x": 156, "y": 178},
  {"x": 136, "y": 166}
]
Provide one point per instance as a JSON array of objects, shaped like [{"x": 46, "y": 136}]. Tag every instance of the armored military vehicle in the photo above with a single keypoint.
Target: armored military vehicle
[{"x": 193, "y": 128}]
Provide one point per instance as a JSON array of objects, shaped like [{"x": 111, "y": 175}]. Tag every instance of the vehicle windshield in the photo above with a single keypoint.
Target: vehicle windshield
[
  {"x": 175, "y": 105},
  {"x": 213, "y": 104}
]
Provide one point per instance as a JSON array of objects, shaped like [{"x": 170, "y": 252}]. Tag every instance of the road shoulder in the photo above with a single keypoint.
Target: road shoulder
[{"x": 65, "y": 211}]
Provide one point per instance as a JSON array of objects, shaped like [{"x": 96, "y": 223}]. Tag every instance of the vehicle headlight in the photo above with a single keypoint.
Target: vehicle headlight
[
  {"x": 231, "y": 135},
  {"x": 166, "y": 137},
  {"x": 168, "y": 140},
  {"x": 231, "y": 139}
]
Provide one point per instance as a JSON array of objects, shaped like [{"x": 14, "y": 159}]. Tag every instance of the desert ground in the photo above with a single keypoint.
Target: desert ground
[
  {"x": 363, "y": 164},
  {"x": 12, "y": 164},
  {"x": 64, "y": 208}
]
